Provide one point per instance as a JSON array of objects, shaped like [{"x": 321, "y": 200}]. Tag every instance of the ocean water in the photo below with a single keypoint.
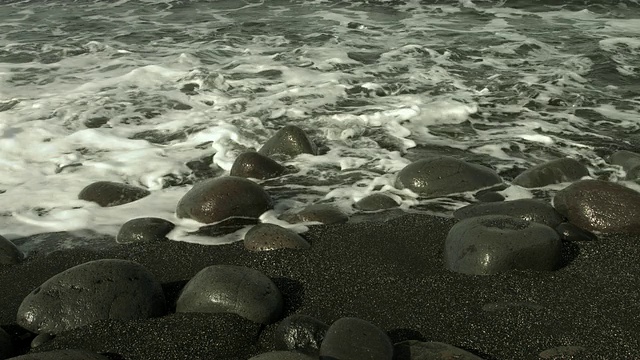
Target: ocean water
[{"x": 161, "y": 94}]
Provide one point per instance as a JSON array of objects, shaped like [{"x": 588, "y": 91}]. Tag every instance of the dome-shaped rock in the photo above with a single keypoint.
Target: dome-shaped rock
[
  {"x": 96, "y": 290},
  {"x": 282, "y": 355},
  {"x": 62, "y": 355},
  {"x": 232, "y": 289},
  {"x": 291, "y": 141},
  {"x": 376, "y": 201},
  {"x": 148, "y": 229},
  {"x": 552, "y": 172},
  {"x": 444, "y": 175},
  {"x": 217, "y": 199},
  {"x": 526, "y": 209},
  {"x": 324, "y": 213},
  {"x": 493, "y": 244},
  {"x": 355, "y": 339},
  {"x": 418, "y": 350},
  {"x": 108, "y": 193},
  {"x": 265, "y": 237},
  {"x": 9, "y": 253},
  {"x": 600, "y": 206},
  {"x": 300, "y": 333},
  {"x": 255, "y": 165}
]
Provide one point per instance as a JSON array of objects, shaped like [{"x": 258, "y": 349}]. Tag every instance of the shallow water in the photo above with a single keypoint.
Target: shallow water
[{"x": 146, "y": 92}]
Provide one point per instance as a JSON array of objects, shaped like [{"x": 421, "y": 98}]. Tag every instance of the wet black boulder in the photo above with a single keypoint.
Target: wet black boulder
[{"x": 108, "y": 193}]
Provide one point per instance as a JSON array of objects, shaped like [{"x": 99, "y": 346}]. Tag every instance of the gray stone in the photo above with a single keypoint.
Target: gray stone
[
  {"x": 6, "y": 346},
  {"x": 96, "y": 290},
  {"x": 629, "y": 161},
  {"x": 602, "y": 206},
  {"x": 255, "y": 165},
  {"x": 444, "y": 175},
  {"x": 232, "y": 289},
  {"x": 300, "y": 333},
  {"x": 374, "y": 202},
  {"x": 217, "y": 199},
  {"x": 290, "y": 141},
  {"x": 9, "y": 253},
  {"x": 108, "y": 193},
  {"x": 266, "y": 237},
  {"x": 493, "y": 244},
  {"x": 355, "y": 339},
  {"x": 418, "y": 350},
  {"x": 526, "y": 209},
  {"x": 552, "y": 172},
  {"x": 282, "y": 355},
  {"x": 489, "y": 196},
  {"x": 62, "y": 355},
  {"x": 324, "y": 213},
  {"x": 148, "y": 229}
]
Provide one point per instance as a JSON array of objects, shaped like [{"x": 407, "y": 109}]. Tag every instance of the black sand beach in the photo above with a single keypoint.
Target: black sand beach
[{"x": 390, "y": 273}]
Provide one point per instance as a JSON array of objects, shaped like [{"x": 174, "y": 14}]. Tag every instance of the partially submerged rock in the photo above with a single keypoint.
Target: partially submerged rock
[
  {"x": 526, "y": 209},
  {"x": 255, "y": 165},
  {"x": 266, "y": 237},
  {"x": 109, "y": 193},
  {"x": 552, "y": 172},
  {"x": 376, "y": 201},
  {"x": 148, "y": 229},
  {"x": 324, "y": 213},
  {"x": 290, "y": 141}
]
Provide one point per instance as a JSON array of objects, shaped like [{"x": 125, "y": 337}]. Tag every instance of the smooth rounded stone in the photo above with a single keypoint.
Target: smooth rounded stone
[
  {"x": 489, "y": 196},
  {"x": 355, "y": 339},
  {"x": 493, "y": 244},
  {"x": 526, "y": 209},
  {"x": 148, "y": 229},
  {"x": 266, "y": 237},
  {"x": 41, "y": 339},
  {"x": 563, "y": 352},
  {"x": 9, "y": 252},
  {"x": 232, "y": 289},
  {"x": 108, "y": 193},
  {"x": 255, "y": 165},
  {"x": 374, "y": 202},
  {"x": 629, "y": 161},
  {"x": 282, "y": 355},
  {"x": 324, "y": 213},
  {"x": 552, "y": 172},
  {"x": 291, "y": 141},
  {"x": 300, "y": 333},
  {"x": 570, "y": 232},
  {"x": 602, "y": 206},
  {"x": 217, "y": 199},
  {"x": 62, "y": 355},
  {"x": 6, "y": 346},
  {"x": 96, "y": 290},
  {"x": 444, "y": 175},
  {"x": 419, "y": 350}
]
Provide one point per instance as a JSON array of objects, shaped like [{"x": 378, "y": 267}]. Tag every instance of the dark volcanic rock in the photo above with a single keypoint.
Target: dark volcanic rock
[
  {"x": 41, "y": 339},
  {"x": 444, "y": 175},
  {"x": 489, "y": 196},
  {"x": 282, "y": 355},
  {"x": 100, "y": 289},
  {"x": 355, "y": 339},
  {"x": 62, "y": 355},
  {"x": 108, "y": 193},
  {"x": 226, "y": 226},
  {"x": 146, "y": 229},
  {"x": 217, "y": 199},
  {"x": 526, "y": 209},
  {"x": 493, "y": 244},
  {"x": 255, "y": 165},
  {"x": 291, "y": 141},
  {"x": 324, "y": 213},
  {"x": 300, "y": 333},
  {"x": 9, "y": 253},
  {"x": 629, "y": 161},
  {"x": 6, "y": 346},
  {"x": 265, "y": 237},
  {"x": 570, "y": 232},
  {"x": 232, "y": 289},
  {"x": 418, "y": 350},
  {"x": 374, "y": 202},
  {"x": 552, "y": 172},
  {"x": 600, "y": 206}
]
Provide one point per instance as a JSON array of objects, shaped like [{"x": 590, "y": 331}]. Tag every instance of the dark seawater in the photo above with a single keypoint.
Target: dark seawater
[{"x": 133, "y": 91}]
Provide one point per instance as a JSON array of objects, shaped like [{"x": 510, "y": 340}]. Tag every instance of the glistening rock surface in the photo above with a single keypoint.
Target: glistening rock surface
[
  {"x": 526, "y": 209},
  {"x": 108, "y": 193},
  {"x": 552, "y": 172}
]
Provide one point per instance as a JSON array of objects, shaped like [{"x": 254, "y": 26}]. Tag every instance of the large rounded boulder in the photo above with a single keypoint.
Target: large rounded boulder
[
  {"x": 355, "y": 339},
  {"x": 255, "y": 165},
  {"x": 552, "y": 172},
  {"x": 217, "y": 199},
  {"x": 629, "y": 161},
  {"x": 96, "y": 290},
  {"x": 9, "y": 253},
  {"x": 232, "y": 289},
  {"x": 108, "y": 193},
  {"x": 526, "y": 209},
  {"x": 600, "y": 206},
  {"x": 147, "y": 229},
  {"x": 267, "y": 237},
  {"x": 444, "y": 175},
  {"x": 290, "y": 141},
  {"x": 493, "y": 244}
]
